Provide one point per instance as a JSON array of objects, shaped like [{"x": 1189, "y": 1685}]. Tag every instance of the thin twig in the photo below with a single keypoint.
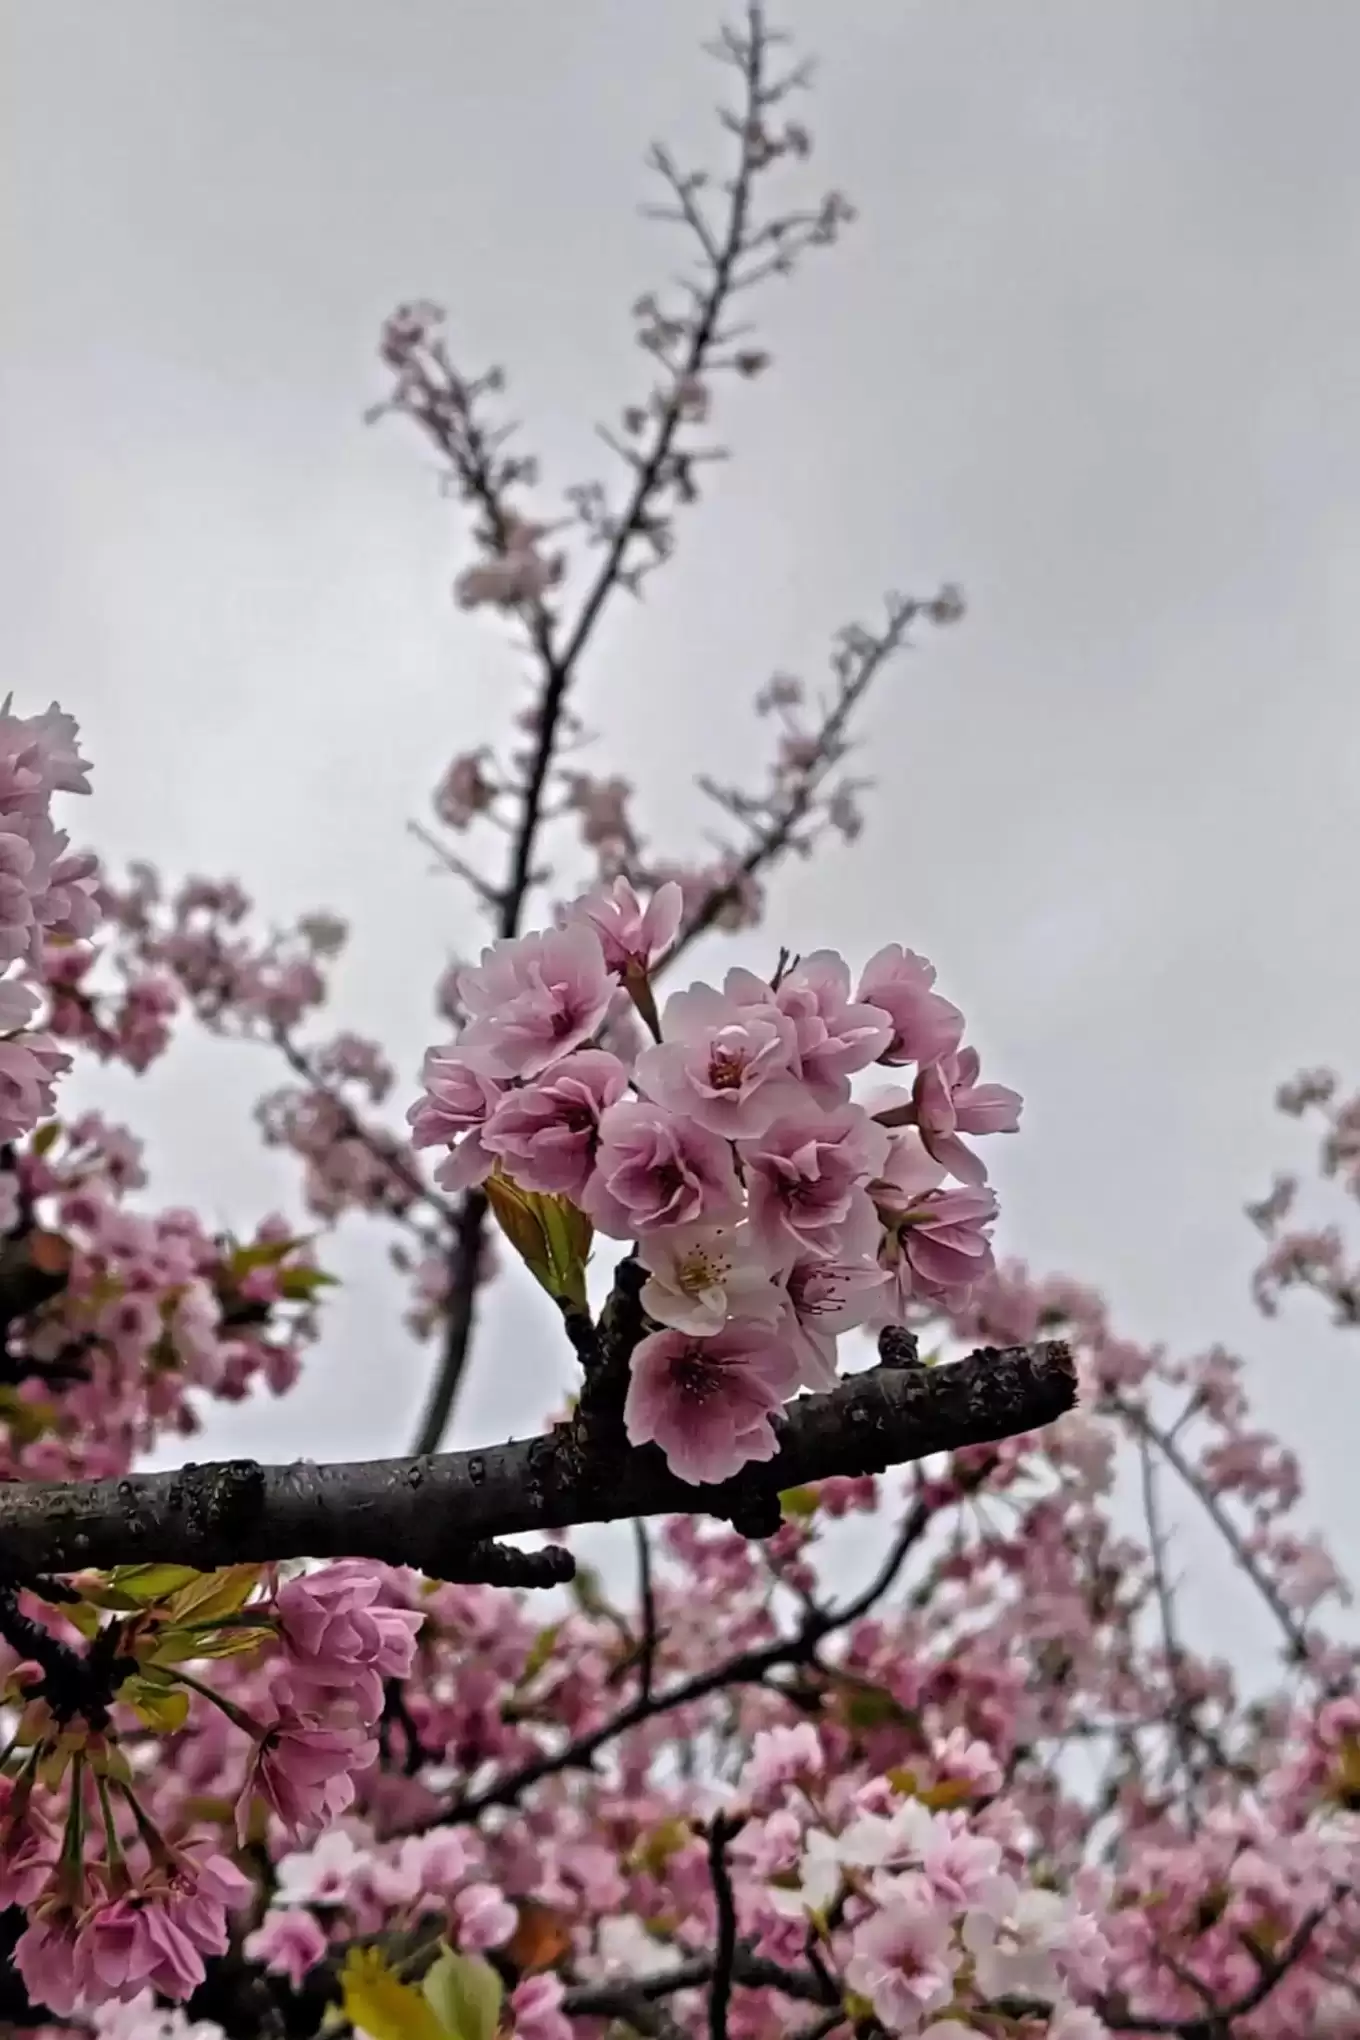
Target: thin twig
[
  {"x": 355, "y": 1129},
  {"x": 647, "y": 1602},
  {"x": 1175, "y": 1662},
  {"x": 1143, "y": 1425}
]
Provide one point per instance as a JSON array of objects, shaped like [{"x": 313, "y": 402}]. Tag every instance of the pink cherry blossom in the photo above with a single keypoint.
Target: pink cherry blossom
[
  {"x": 699, "y": 1277},
  {"x": 779, "y": 1756},
  {"x": 832, "y": 1036},
  {"x": 133, "y": 1942},
  {"x": 925, "y": 1025},
  {"x": 654, "y": 1168},
  {"x": 484, "y": 1918},
  {"x": 29, "y": 1067},
  {"x": 937, "y": 1241},
  {"x": 546, "y": 1133},
  {"x": 339, "y": 1634},
  {"x": 707, "y": 1402},
  {"x": 634, "y": 937},
  {"x": 305, "y": 1773},
  {"x": 828, "y": 1297},
  {"x": 45, "y": 1957},
  {"x": 536, "y": 2010},
  {"x": 464, "y": 792},
  {"x": 202, "y": 1887},
  {"x": 805, "y": 1175},
  {"x": 287, "y": 1944},
  {"x": 533, "y": 999},
  {"x": 727, "y": 1067},
  {"x": 903, "y": 1959},
  {"x": 949, "y": 1101},
  {"x": 459, "y": 1098}
]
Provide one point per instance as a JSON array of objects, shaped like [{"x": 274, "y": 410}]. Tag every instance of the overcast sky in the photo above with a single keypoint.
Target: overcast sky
[{"x": 1091, "y": 351}]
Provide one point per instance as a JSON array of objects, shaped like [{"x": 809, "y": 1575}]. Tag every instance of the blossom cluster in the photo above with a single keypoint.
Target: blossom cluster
[
  {"x": 771, "y": 1210},
  {"x": 119, "y": 1322},
  {"x": 46, "y": 896},
  {"x": 115, "y": 1903}
]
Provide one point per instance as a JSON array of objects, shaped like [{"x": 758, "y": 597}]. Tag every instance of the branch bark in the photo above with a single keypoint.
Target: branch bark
[{"x": 432, "y": 1511}]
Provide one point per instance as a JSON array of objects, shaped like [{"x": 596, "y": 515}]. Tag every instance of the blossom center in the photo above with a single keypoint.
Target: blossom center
[{"x": 726, "y": 1068}]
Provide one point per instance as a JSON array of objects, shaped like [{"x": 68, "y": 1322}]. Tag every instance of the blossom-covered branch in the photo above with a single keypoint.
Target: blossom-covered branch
[{"x": 429, "y": 1511}]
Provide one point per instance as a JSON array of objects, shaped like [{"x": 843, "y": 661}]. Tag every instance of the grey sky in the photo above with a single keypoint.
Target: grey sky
[{"x": 1090, "y": 351}]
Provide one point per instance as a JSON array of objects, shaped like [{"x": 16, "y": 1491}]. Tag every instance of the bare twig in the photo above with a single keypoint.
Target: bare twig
[
  {"x": 1143, "y": 1426},
  {"x": 646, "y": 1655},
  {"x": 396, "y": 1166},
  {"x": 1181, "y": 1709},
  {"x": 559, "y": 662},
  {"x": 798, "y": 799}
]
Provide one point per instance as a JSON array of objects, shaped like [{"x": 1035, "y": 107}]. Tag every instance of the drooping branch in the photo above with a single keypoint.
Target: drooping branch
[{"x": 435, "y": 1512}]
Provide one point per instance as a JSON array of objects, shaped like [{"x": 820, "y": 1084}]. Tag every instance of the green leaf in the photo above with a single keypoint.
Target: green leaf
[
  {"x": 144, "y": 1584},
  {"x": 298, "y": 1285},
  {"x": 45, "y": 1137},
  {"x": 587, "y": 1590},
  {"x": 206, "y": 1597},
  {"x": 378, "y": 2003},
  {"x": 549, "y": 1234},
  {"x": 873, "y": 1707},
  {"x": 799, "y": 1502},
  {"x": 164, "y": 1708},
  {"x": 465, "y": 1995},
  {"x": 262, "y": 1254},
  {"x": 182, "y": 1646},
  {"x": 540, "y": 1650}
]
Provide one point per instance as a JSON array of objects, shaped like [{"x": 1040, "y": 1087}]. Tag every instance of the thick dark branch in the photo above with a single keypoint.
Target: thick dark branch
[
  {"x": 427, "y": 1511},
  {"x": 724, "y": 1960}
]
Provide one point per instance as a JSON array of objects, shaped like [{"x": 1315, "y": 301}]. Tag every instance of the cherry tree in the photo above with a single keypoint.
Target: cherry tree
[{"x": 313, "y": 1749}]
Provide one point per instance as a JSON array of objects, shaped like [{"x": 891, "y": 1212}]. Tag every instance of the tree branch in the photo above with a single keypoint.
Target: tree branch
[
  {"x": 464, "y": 1267},
  {"x": 558, "y": 665},
  {"x": 724, "y": 1960},
  {"x": 431, "y": 1512}
]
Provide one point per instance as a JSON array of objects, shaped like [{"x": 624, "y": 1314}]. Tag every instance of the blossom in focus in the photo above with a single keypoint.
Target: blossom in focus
[
  {"x": 458, "y": 1100},
  {"x": 653, "y": 1168},
  {"x": 900, "y": 983},
  {"x": 305, "y": 1773},
  {"x": 533, "y": 999},
  {"x": 949, "y": 1101},
  {"x": 699, "y": 1276},
  {"x": 634, "y": 937},
  {"x": 832, "y": 1036},
  {"x": 903, "y": 1958},
  {"x": 805, "y": 1178},
  {"x": 726, "y": 1067},
  {"x": 936, "y": 1243},
  {"x": 546, "y": 1133},
  {"x": 707, "y": 1402},
  {"x": 338, "y": 1633}
]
